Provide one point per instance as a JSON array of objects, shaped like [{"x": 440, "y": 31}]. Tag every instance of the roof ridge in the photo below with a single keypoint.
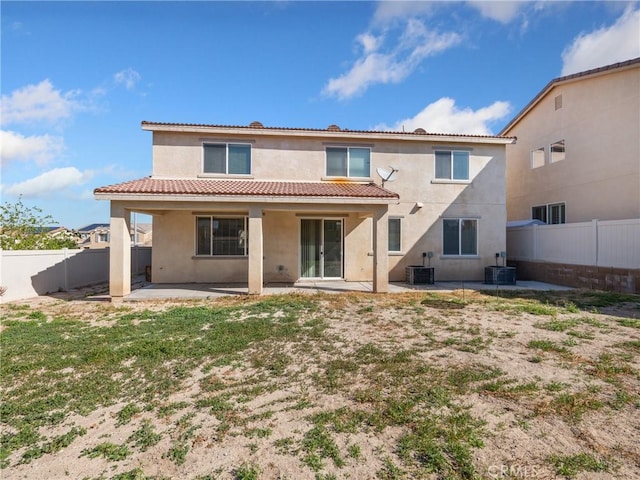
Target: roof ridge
[{"x": 331, "y": 129}]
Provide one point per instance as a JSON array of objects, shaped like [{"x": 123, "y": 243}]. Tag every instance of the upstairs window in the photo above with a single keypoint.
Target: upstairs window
[
  {"x": 557, "y": 213},
  {"x": 557, "y": 151},
  {"x": 221, "y": 236},
  {"x": 348, "y": 162},
  {"x": 460, "y": 236},
  {"x": 553, "y": 213},
  {"x": 227, "y": 158},
  {"x": 452, "y": 165},
  {"x": 539, "y": 212},
  {"x": 537, "y": 158}
]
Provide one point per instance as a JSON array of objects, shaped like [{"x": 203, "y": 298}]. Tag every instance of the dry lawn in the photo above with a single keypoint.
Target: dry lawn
[{"x": 350, "y": 386}]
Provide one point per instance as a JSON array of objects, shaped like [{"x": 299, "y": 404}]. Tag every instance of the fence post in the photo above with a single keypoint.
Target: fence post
[
  {"x": 535, "y": 241},
  {"x": 135, "y": 259},
  {"x": 66, "y": 269},
  {"x": 594, "y": 243}
]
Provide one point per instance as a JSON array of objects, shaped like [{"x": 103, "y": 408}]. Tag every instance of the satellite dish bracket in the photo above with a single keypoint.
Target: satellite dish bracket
[{"x": 386, "y": 175}]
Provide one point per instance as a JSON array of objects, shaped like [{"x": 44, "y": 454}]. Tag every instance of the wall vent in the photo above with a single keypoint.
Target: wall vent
[{"x": 558, "y": 102}]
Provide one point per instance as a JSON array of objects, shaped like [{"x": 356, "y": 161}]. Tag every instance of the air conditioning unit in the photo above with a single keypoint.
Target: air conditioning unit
[
  {"x": 495, "y": 275},
  {"x": 417, "y": 274}
]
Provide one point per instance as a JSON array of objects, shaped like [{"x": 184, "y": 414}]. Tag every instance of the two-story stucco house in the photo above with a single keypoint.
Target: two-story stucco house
[
  {"x": 256, "y": 204},
  {"x": 577, "y": 157}
]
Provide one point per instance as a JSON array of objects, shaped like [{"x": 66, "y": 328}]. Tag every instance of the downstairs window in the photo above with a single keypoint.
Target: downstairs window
[
  {"x": 460, "y": 236},
  {"x": 221, "y": 236}
]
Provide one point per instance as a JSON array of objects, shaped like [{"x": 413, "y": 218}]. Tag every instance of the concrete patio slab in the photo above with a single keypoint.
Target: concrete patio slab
[{"x": 154, "y": 291}]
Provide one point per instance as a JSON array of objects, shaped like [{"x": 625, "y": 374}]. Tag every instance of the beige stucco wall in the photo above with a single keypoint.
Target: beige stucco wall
[
  {"x": 173, "y": 258},
  {"x": 181, "y": 156},
  {"x": 600, "y": 176},
  {"x": 483, "y": 197}
]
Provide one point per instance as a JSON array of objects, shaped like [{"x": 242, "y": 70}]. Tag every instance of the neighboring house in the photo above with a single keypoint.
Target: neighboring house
[
  {"x": 97, "y": 235},
  {"x": 143, "y": 234},
  {"x": 257, "y": 204},
  {"x": 577, "y": 157}
]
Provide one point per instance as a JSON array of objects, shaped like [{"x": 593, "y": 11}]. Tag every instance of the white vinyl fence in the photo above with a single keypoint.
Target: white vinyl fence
[
  {"x": 29, "y": 273},
  {"x": 611, "y": 243}
]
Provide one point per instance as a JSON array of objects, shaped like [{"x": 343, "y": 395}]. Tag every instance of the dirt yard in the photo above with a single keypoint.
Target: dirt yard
[{"x": 349, "y": 386}]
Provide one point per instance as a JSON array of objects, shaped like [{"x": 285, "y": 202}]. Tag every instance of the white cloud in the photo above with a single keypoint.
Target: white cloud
[
  {"x": 503, "y": 11},
  {"x": 407, "y": 41},
  {"x": 128, "y": 77},
  {"x": 604, "y": 46},
  {"x": 49, "y": 182},
  {"x": 38, "y": 148},
  {"x": 370, "y": 43},
  {"x": 442, "y": 116},
  {"x": 35, "y": 103},
  {"x": 415, "y": 44},
  {"x": 387, "y": 11}
]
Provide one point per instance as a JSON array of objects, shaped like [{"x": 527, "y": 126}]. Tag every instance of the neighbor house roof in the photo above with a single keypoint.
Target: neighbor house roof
[
  {"x": 244, "y": 188},
  {"x": 52, "y": 229},
  {"x": 93, "y": 226},
  {"x": 633, "y": 63}
]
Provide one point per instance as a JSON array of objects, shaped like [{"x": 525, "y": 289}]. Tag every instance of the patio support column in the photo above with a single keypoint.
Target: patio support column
[
  {"x": 255, "y": 250},
  {"x": 119, "y": 252},
  {"x": 381, "y": 250}
]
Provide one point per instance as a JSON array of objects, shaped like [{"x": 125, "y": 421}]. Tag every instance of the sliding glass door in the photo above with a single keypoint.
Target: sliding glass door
[{"x": 320, "y": 248}]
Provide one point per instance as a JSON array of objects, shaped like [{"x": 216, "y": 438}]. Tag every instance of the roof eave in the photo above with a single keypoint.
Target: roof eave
[
  {"x": 301, "y": 199},
  {"x": 346, "y": 134}
]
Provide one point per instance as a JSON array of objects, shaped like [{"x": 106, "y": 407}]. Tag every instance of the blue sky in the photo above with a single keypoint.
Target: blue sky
[{"x": 79, "y": 77}]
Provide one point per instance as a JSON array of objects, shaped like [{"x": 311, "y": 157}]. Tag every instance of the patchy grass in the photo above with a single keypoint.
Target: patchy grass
[
  {"x": 109, "y": 451},
  {"x": 348, "y": 386},
  {"x": 145, "y": 437},
  {"x": 246, "y": 472},
  {"x": 54, "y": 369},
  {"x": 571, "y": 465},
  {"x": 570, "y": 406}
]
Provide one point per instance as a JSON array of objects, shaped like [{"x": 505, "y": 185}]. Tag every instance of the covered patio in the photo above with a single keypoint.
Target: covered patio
[{"x": 273, "y": 212}]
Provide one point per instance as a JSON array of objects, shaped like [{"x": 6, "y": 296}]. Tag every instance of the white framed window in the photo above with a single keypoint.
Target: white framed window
[
  {"x": 348, "y": 162},
  {"x": 452, "y": 165},
  {"x": 227, "y": 158},
  {"x": 395, "y": 234},
  {"x": 537, "y": 157},
  {"x": 556, "y": 151},
  {"x": 552, "y": 213},
  {"x": 222, "y": 236},
  {"x": 459, "y": 236},
  {"x": 539, "y": 212},
  {"x": 557, "y": 213}
]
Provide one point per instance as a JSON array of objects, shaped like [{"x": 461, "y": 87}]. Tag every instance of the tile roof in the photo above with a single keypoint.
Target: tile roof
[{"x": 247, "y": 188}]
